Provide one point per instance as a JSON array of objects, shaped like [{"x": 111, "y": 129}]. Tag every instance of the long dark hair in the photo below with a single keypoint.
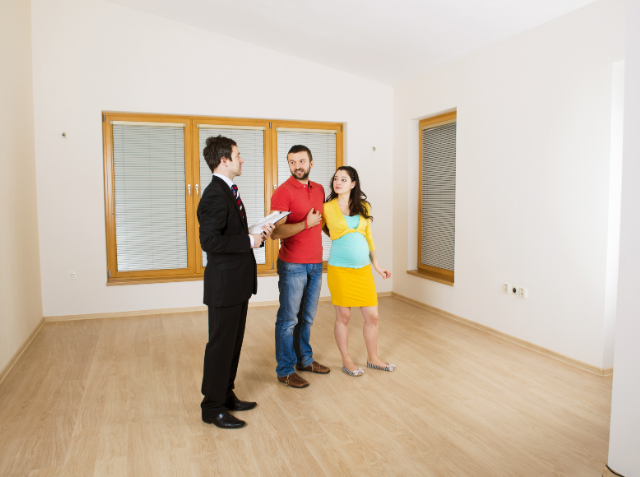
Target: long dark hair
[{"x": 358, "y": 203}]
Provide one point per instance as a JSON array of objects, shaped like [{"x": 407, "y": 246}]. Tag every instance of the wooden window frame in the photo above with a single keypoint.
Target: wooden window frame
[
  {"x": 437, "y": 274},
  {"x": 195, "y": 270}
]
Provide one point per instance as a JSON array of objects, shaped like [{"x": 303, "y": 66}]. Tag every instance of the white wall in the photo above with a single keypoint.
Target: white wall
[
  {"x": 615, "y": 197},
  {"x": 91, "y": 55},
  {"x": 534, "y": 126},
  {"x": 624, "y": 441},
  {"x": 20, "y": 297}
]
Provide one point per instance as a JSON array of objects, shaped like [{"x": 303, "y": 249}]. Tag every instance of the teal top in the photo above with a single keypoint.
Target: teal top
[{"x": 351, "y": 250}]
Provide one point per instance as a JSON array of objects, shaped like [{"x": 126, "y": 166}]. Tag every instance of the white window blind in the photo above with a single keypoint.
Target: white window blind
[
  {"x": 323, "y": 149},
  {"x": 251, "y": 182},
  {"x": 438, "y": 196},
  {"x": 150, "y": 208}
]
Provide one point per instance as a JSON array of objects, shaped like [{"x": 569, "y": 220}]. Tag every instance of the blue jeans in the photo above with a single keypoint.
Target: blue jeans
[{"x": 299, "y": 285}]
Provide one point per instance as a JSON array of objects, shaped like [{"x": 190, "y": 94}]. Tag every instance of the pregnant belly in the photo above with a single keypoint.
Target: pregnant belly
[{"x": 350, "y": 250}]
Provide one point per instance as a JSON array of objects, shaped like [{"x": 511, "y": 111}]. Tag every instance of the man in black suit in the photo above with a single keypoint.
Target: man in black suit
[{"x": 230, "y": 279}]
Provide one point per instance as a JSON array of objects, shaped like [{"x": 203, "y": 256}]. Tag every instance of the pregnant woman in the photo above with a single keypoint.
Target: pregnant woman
[{"x": 346, "y": 219}]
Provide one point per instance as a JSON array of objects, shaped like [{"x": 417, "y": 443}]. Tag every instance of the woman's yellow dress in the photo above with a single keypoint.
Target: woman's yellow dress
[{"x": 349, "y": 277}]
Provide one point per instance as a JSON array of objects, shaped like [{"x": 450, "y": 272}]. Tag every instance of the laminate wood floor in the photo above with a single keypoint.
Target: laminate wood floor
[{"x": 120, "y": 397}]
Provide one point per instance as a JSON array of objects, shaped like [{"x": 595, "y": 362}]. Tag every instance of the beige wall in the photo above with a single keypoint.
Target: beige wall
[{"x": 20, "y": 295}]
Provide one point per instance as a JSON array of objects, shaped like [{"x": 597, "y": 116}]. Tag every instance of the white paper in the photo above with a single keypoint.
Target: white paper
[{"x": 272, "y": 218}]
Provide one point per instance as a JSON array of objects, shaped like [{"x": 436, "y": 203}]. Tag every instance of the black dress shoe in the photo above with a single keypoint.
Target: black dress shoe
[
  {"x": 235, "y": 404},
  {"x": 224, "y": 420}
]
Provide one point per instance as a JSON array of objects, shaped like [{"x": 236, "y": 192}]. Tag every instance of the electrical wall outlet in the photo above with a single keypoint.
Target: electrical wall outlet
[
  {"x": 514, "y": 290},
  {"x": 72, "y": 275}
]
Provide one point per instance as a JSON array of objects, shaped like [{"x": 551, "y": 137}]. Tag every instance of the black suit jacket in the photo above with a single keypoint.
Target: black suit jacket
[{"x": 231, "y": 275}]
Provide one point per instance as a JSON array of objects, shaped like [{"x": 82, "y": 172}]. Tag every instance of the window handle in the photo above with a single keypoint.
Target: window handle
[
  {"x": 197, "y": 193},
  {"x": 189, "y": 188}
]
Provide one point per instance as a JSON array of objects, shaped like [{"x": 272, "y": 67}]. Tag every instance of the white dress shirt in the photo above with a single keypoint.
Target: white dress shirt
[{"x": 229, "y": 182}]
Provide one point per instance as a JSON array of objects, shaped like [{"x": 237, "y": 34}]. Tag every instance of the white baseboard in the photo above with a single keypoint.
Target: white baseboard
[
  {"x": 17, "y": 354},
  {"x": 164, "y": 311}
]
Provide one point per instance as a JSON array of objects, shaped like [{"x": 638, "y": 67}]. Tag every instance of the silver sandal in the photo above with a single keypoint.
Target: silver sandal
[
  {"x": 390, "y": 367},
  {"x": 356, "y": 373}
]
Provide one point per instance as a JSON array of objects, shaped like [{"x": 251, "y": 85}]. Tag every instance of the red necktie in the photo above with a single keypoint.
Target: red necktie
[{"x": 237, "y": 196}]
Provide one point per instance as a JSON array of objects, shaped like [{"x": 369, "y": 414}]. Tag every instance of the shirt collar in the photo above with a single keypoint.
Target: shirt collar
[
  {"x": 224, "y": 178},
  {"x": 297, "y": 184}
]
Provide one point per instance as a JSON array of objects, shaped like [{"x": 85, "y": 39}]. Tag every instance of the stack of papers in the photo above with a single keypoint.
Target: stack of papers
[{"x": 272, "y": 218}]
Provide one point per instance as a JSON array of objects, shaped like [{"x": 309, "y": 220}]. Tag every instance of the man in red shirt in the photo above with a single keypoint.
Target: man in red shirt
[{"x": 299, "y": 268}]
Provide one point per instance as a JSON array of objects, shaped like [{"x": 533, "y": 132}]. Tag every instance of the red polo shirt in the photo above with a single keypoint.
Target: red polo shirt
[{"x": 306, "y": 246}]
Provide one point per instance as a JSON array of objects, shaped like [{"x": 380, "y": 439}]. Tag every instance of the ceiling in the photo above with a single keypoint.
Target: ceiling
[{"x": 386, "y": 41}]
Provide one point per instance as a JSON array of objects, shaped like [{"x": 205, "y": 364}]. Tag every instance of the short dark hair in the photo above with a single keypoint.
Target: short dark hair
[
  {"x": 300, "y": 148},
  {"x": 216, "y": 149}
]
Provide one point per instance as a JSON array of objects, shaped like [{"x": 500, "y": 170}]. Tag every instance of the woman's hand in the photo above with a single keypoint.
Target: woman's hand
[
  {"x": 376, "y": 266},
  {"x": 383, "y": 272}
]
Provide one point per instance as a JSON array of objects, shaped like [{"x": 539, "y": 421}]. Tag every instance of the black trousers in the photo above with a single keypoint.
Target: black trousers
[{"x": 221, "y": 356}]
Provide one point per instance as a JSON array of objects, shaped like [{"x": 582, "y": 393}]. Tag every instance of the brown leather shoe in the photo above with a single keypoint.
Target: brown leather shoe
[
  {"x": 294, "y": 381},
  {"x": 314, "y": 367}
]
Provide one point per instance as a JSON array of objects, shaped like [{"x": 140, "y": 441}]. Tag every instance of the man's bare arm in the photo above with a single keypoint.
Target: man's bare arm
[{"x": 284, "y": 230}]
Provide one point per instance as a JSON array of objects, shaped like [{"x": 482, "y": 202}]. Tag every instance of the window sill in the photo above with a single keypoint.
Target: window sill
[
  {"x": 267, "y": 273},
  {"x": 433, "y": 276},
  {"x": 187, "y": 278},
  {"x": 143, "y": 281}
]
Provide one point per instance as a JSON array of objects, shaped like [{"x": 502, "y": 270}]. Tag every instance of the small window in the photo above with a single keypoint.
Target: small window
[{"x": 437, "y": 205}]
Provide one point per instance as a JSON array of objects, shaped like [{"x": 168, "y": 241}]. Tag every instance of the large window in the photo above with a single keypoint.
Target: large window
[
  {"x": 155, "y": 174},
  {"x": 437, "y": 204}
]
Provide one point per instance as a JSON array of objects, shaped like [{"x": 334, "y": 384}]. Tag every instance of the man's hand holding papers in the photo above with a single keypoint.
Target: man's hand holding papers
[
  {"x": 262, "y": 229},
  {"x": 272, "y": 218}
]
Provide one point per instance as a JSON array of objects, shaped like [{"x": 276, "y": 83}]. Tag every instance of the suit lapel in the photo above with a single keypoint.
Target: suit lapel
[
  {"x": 230, "y": 195},
  {"x": 243, "y": 216}
]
